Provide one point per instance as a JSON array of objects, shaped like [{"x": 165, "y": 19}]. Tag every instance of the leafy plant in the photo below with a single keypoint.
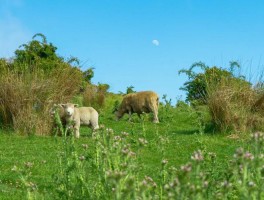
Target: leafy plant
[
  {"x": 197, "y": 86},
  {"x": 130, "y": 89}
]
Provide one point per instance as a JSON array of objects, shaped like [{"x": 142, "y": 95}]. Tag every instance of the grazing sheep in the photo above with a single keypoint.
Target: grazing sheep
[
  {"x": 80, "y": 116},
  {"x": 139, "y": 102}
]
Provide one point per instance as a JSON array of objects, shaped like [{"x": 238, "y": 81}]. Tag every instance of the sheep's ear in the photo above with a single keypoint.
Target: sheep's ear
[
  {"x": 76, "y": 105},
  {"x": 62, "y": 105}
]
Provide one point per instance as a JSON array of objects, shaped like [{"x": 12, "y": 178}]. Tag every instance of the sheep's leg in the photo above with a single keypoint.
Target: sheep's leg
[
  {"x": 154, "y": 110},
  {"x": 77, "y": 129},
  {"x": 76, "y": 132},
  {"x": 155, "y": 117},
  {"x": 94, "y": 125},
  {"x": 130, "y": 115}
]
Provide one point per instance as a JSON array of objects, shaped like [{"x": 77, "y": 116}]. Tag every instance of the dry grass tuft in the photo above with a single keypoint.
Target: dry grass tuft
[
  {"x": 26, "y": 98},
  {"x": 95, "y": 96},
  {"x": 230, "y": 104}
]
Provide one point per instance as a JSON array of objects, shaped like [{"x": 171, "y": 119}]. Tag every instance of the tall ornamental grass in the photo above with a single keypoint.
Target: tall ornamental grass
[
  {"x": 27, "y": 96},
  {"x": 231, "y": 104}
]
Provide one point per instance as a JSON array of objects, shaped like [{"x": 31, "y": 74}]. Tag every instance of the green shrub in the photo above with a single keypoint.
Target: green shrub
[{"x": 196, "y": 87}]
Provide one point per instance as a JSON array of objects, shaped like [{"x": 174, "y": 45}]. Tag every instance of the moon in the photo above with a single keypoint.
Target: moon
[{"x": 155, "y": 42}]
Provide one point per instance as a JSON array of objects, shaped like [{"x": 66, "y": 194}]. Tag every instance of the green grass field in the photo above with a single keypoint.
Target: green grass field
[{"x": 28, "y": 164}]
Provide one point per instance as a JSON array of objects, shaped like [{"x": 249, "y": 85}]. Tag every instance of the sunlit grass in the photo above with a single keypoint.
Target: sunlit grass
[{"x": 173, "y": 140}]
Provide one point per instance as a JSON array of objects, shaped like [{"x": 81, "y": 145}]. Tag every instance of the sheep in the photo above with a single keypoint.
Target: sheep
[
  {"x": 80, "y": 116},
  {"x": 140, "y": 102}
]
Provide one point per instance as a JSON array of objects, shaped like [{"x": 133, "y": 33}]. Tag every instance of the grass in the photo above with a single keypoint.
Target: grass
[{"x": 174, "y": 139}]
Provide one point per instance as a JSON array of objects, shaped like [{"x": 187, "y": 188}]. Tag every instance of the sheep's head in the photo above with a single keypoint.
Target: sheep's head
[
  {"x": 69, "y": 108},
  {"x": 119, "y": 114}
]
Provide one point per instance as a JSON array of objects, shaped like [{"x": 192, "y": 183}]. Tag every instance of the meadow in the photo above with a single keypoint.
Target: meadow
[
  {"x": 179, "y": 158},
  {"x": 210, "y": 148}
]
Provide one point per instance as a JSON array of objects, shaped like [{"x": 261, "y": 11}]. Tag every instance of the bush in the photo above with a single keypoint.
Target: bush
[
  {"x": 196, "y": 87},
  {"x": 232, "y": 102}
]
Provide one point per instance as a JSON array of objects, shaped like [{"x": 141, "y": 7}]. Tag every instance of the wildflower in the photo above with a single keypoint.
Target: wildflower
[
  {"x": 14, "y": 168},
  {"x": 176, "y": 181},
  {"x": 148, "y": 181},
  {"x": 85, "y": 146},
  {"x": 124, "y": 165},
  {"x": 109, "y": 130},
  {"x": 187, "y": 167},
  {"x": 125, "y": 134},
  {"x": 166, "y": 187},
  {"x": 258, "y": 136},
  {"x": 241, "y": 168},
  {"x": 192, "y": 188},
  {"x": 205, "y": 184},
  {"x": 251, "y": 184},
  {"x": 81, "y": 158},
  {"x": 170, "y": 194},
  {"x": 115, "y": 145},
  {"x": 239, "y": 153},
  {"x": 248, "y": 156},
  {"x": 125, "y": 151},
  {"x": 116, "y": 175},
  {"x": 197, "y": 156},
  {"x": 102, "y": 126},
  {"x": 226, "y": 184},
  {"x": 212, "y": 155},
  {"x": 132, "y": 154},
  {"x": 117, "y": 138},
  {"x": 28, "y": 164},
  {"x": 144, "y": 182},
  {"x": 142, "y": 141},
  {"x": 32, "y": 185},
  {"x": 164, "y": 162},
  {"x": 154, "y": 185}
]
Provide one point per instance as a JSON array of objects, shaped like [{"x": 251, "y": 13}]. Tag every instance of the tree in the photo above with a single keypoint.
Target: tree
[
  {"x": 88, "y": 74},
  {"x": 130, "y": 89},
  {"x": 196, "y": 86},
  {"x": 38, "y": 54}
]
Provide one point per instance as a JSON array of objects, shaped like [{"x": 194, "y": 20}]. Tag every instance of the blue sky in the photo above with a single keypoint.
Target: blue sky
[{"x": 116, "y": 37}]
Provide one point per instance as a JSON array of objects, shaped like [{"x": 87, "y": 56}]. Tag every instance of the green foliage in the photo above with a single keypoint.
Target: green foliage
[
  {"x": 130, "y": 89},
  {"x": 36, "y": 55},
  {"x": 103, "y": 87},
  {"x": 88, "y": 74},
  {"x": 165, "y": 109},
  {"x": 197, "y": 86}
]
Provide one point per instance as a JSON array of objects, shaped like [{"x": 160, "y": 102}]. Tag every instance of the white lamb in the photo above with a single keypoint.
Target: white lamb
[{"x": 77, "y": 116}]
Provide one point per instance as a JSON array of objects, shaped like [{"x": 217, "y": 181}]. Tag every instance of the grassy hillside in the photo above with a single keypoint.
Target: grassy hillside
[{"x": 64, "y": 168}]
